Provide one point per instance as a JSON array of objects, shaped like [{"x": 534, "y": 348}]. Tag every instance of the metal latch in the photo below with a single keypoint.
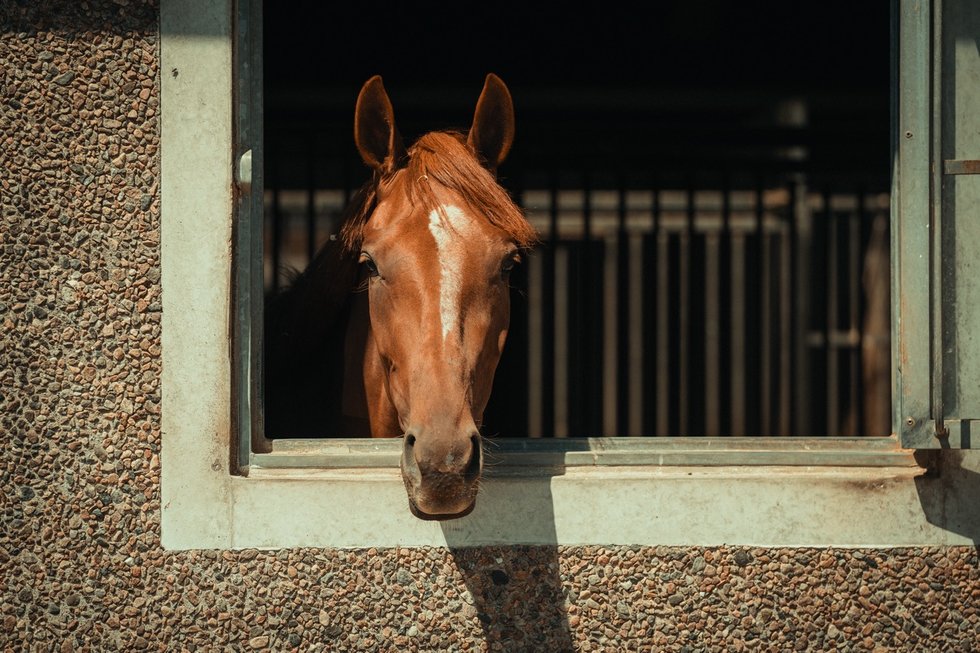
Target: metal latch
[
  {"x": 245, "y": 171},
  {"x": 961, "y": 167}
]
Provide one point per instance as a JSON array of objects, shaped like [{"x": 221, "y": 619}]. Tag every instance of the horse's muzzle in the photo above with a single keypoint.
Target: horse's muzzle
[{"x": 441, "y": 481}]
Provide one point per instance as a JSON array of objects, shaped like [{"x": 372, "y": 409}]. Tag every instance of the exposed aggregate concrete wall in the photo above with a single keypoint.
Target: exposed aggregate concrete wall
[{"x": 80, "y": 555}]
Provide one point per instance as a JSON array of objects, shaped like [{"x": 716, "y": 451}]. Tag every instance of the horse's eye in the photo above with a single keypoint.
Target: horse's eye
[
  {"x": 369, "y": 264},
  {"x": 509, "y": 263}
]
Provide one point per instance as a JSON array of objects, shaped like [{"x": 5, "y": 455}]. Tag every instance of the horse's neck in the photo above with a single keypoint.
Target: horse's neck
[
  {"x": 367, "y": 411},
  {"x": 304, "y": 331},
  {"x": 354, "y": 407},
  {"x": 320, "y": 323}
]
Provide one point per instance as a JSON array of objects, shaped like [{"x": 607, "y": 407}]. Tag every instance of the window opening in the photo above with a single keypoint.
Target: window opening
[{"x": 716, "y": 283}]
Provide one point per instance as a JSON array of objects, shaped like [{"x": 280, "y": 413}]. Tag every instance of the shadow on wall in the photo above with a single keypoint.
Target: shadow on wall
[
  {"x": 948, "y": 491},
  {"x": 516, "y": 591},
  {"x": 79, "y": 19}
]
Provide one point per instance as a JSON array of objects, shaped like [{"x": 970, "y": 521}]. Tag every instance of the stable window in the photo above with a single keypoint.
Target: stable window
[
  {"x": 763, "y": 348},
  {"x": 714, "y": 262}
]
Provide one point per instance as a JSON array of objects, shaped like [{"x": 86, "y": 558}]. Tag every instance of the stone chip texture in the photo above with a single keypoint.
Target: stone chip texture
[{"x": 80, "y": 558}]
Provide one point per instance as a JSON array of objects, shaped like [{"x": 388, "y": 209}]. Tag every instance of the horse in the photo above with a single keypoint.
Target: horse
[{"x": 396, "y": 326}]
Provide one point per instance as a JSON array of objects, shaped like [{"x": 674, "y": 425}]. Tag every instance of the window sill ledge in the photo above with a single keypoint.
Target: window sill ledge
[{"x": 531, "y": 456}]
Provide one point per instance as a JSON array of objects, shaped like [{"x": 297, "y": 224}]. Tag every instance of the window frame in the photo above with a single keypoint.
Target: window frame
[
  {"x": 919, "y": 214},
  {"x": 651, "y": 490}
]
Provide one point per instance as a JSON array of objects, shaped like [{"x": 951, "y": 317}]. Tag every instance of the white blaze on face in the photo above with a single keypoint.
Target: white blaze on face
[{"x": 451, "y": 258}]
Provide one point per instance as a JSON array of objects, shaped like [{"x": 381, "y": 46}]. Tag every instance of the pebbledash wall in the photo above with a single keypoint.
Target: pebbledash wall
[{"x": 83, "y": 563}]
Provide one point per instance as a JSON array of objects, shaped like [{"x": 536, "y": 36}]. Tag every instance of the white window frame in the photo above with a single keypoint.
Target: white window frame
[{"x": 348, "y": 493}]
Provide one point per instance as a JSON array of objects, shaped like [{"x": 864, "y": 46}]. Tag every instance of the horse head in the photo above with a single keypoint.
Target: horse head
[{"x": 437, "y": 241}]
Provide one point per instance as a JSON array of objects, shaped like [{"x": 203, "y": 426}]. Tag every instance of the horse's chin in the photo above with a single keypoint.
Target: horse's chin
[
  {"x": 421, "y": 514},
  {"x": 441, "y": 496}
]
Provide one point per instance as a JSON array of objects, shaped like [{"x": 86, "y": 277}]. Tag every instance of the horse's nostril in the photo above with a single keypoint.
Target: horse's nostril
[
  {"x": 410, "y": 465},
  {"x": 475, "y": 465}
]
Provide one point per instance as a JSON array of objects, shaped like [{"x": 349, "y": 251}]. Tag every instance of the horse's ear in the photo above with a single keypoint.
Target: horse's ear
[
  {"x": 492, "y": 132},
  {"x": 375, "y": 133}
]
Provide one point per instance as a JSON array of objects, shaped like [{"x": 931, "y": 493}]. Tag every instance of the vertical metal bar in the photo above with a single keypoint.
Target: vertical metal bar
[
  {"x": 520, "y": 326},
  {"x": 639, "y": 279},
  {"x": 663, "y": 315},
  {"x": 716, "y": 295},
  {"x": 911, "y": 236},
  {"x": 854, "y": 244},
  {"x": 249, "y": 283},
  {"x": 561, "y": 394},
  {"x": 766, "y": 346},
  {"x": 577, "y": 395},
  {"x": 833, "y": 319},
  {"x": 935, "y": 222},
  {"x": 651, "y": 317},
  {"x": 738, "y": 335},
  {"x": 536, "y": 342},
  {"x": 549, "y": 350},
  {"x": 244, "y": 225},
  {"x": 787, "y": 314},
  {"x": 610, "y": 340},
  {"x": 257, "y": 252},
  {"x": 712, "y": 332},
  {"x": 749, "y": 324},
  {"x": 798, "y": 407},
  {"x": 589, "y": 379},
  {"x": 684, "y": 316},
  {"x": 896, "y": 200},
  {"x": 725, "y": 282},
  {"x": 624, "y": 284},
  {"x": 784, "y": 303}
]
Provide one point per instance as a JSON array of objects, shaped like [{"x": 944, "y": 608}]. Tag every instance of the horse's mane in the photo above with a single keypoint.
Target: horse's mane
[{"x": 442, "y": 157}]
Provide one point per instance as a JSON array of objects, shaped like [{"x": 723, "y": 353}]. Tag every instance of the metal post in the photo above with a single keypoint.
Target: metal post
[{"x": 935, "y": 222}]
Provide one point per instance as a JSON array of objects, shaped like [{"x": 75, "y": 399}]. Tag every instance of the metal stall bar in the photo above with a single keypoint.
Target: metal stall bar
[
  {"x": 712, "y": 332},
  {"x": 765, "y": 346},
  {"x": 937, "y": 312},
  {"x": 664, "y": 388},
  {"x": 623, "y": 327},
  {"x": 585, "y": 394},
  {"x": 789, "y": 295},
  {"x": 684, "y": 314},
  {"x": 536, "y": 264},
  {"x": 658, "y": 362},
  {"x": 611, "y": 340},
  {"x": 247, "y": 308},
  {"x": 724, "y": 309},
  {"x": 550, "y": 396},
  {"x": 855, "y": 245},
  {"x": 832, "y": 319},
  {"x": 738, "y": 333},
  {"x": 638, "y": 350},
  {"x": 559, "y": 334}
]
